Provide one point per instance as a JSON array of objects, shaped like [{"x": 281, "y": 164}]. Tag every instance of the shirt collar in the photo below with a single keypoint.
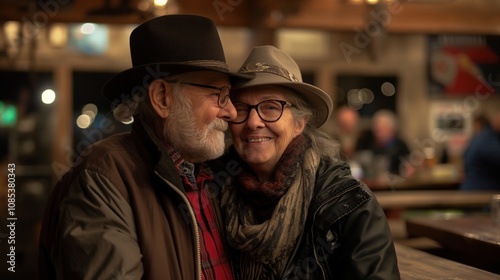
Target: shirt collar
[{"x": 176, "y": 156}]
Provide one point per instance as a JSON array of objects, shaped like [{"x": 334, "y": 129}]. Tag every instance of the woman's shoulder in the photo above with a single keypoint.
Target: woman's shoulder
[
  {"x": 333, "y": 207},
  {"x": 333, "y": 173},
  {"x": 335, "y": 183}
]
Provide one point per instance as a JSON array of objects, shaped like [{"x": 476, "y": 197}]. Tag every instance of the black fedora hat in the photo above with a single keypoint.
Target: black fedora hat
[{"x": 169, "y": 45}]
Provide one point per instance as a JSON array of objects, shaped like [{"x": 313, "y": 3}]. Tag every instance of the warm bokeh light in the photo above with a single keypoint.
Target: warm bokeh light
[
  {"x": 131, "y": 120},
  {"x": 58, "y": 35},
  {"x": 87, "y": 28},
  {"x": 388, "y": 89},
  {"x": 366, "y": 95},
  {"x": 90, "y": 110},
  {"x": 143, "y": 5},
  {"x": 160, "y": 3},
  {"x": 48, "y": 96},
  {"x": 354, "y": 99},
  {"x": 83, "y": 121},
  {"x": 11, "y": 29}
]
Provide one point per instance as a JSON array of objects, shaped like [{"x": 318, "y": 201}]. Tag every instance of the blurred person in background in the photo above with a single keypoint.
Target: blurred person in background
[
  {"x": 347, "y": 131},
  {"x": 479, "y": 122},
  {"x": 482, "y": 157},
  {"x": 387, "y": 150}
]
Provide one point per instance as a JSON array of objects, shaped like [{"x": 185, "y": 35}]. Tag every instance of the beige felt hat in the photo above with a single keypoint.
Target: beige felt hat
[{"x": 272, "y": 66}]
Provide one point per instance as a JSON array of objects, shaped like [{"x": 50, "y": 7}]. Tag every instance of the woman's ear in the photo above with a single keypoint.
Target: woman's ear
[
  {"x": 300, "y": 125},
  {"x": 160, "y": 96}
]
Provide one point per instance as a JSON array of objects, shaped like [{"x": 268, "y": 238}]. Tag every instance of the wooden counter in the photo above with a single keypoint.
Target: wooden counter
[
  {"x": 415, "y": 264},
  {"x": 470, "y": 235},
  {"x": 436, "y": 199},
  {"x": 413, "y": 184}
]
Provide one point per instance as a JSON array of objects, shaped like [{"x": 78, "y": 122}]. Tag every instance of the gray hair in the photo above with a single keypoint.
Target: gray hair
[
  {"x": 126, "y": 110},
  {"x": 321, "y": 142},
  {"x": 139, "y": 105}
]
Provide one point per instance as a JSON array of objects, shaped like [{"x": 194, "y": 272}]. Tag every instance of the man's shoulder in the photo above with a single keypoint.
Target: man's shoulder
[
  {"x": 109, "y": 158},
  {"x": 100, "y": 155},
  {"x": 114, "y": 142}
]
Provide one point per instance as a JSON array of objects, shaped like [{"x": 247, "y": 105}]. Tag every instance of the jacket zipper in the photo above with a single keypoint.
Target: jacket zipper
[
  {"x": 314, "y": 218},
  {"x": 193, "y": 219}
]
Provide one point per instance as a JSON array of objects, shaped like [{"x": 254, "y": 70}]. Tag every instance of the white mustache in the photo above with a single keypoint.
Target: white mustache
[{"x": 218, "y": 124}]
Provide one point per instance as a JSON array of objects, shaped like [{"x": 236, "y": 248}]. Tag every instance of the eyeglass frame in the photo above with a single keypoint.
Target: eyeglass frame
[
  {"x": 250, "y": 107},
  {"x": 220, "y": 89}
]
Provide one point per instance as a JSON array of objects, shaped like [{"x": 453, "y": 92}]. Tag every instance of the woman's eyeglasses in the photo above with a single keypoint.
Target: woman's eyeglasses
[
  {"x": 222, "y": 95},
  {"x": 268, "y": 110}
]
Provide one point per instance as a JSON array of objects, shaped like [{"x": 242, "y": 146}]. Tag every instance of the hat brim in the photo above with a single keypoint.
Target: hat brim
[
  {"x": 319, "y": 101},
  {"x": 126, "y": 83}
]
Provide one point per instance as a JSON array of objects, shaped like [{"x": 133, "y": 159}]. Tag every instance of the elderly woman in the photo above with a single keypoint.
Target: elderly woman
[{"x": 293, "y": 211}]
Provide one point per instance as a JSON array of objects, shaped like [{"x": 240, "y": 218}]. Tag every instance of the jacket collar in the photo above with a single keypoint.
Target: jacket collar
[{"x": 151, "y": 144}]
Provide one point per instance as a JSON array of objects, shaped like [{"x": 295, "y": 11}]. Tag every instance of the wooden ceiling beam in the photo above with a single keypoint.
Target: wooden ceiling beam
[
  {"x": 410, "y": 16},
  {"x": 73, "y": 11},
  {"x": 454, "y": 17}
]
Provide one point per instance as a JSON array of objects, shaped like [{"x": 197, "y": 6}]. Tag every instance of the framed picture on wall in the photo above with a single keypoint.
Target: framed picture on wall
[{"x": 462, "y": 65}]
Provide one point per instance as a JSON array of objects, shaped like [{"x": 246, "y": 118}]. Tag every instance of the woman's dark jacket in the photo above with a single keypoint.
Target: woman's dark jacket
[{"x": 346, "y": 234}]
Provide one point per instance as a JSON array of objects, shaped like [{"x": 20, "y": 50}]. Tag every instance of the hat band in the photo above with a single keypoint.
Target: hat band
[
  {"x": 261, "y": 67},
  {"x": 208, "y": 63}
]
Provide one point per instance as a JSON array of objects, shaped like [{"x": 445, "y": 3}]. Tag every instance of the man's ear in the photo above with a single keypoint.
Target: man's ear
[{"x": 160, "y": 96}]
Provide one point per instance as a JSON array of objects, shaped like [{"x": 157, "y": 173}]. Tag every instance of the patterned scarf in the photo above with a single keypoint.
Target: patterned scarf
[{"x": 265, "y": 220}]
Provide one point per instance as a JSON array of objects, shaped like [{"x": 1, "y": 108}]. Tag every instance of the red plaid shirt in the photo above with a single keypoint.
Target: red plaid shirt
[{"x": 214, "y": 262}]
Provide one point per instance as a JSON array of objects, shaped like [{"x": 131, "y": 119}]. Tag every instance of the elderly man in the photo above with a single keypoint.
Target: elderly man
[
  {"x": 142, "y": 205},
  {"x": 347, "y": 131},
  {"x": 388, "y": 149}
]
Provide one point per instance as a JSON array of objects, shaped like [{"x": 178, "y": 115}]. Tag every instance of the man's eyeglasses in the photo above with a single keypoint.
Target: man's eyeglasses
[
  {"x": 268, "y": 110},
  {"x": 222, "y": 95}
]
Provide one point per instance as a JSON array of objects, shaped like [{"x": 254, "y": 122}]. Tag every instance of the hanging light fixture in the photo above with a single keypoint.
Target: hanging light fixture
[{"x": 58, "y": 35}]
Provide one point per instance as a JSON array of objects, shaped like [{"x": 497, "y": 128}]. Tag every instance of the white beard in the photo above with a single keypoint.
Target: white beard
[{"x": 194, "y": 144}]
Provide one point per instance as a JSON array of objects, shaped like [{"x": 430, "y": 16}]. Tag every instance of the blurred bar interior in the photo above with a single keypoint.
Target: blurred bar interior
[{"x": 434, "y": 63}]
